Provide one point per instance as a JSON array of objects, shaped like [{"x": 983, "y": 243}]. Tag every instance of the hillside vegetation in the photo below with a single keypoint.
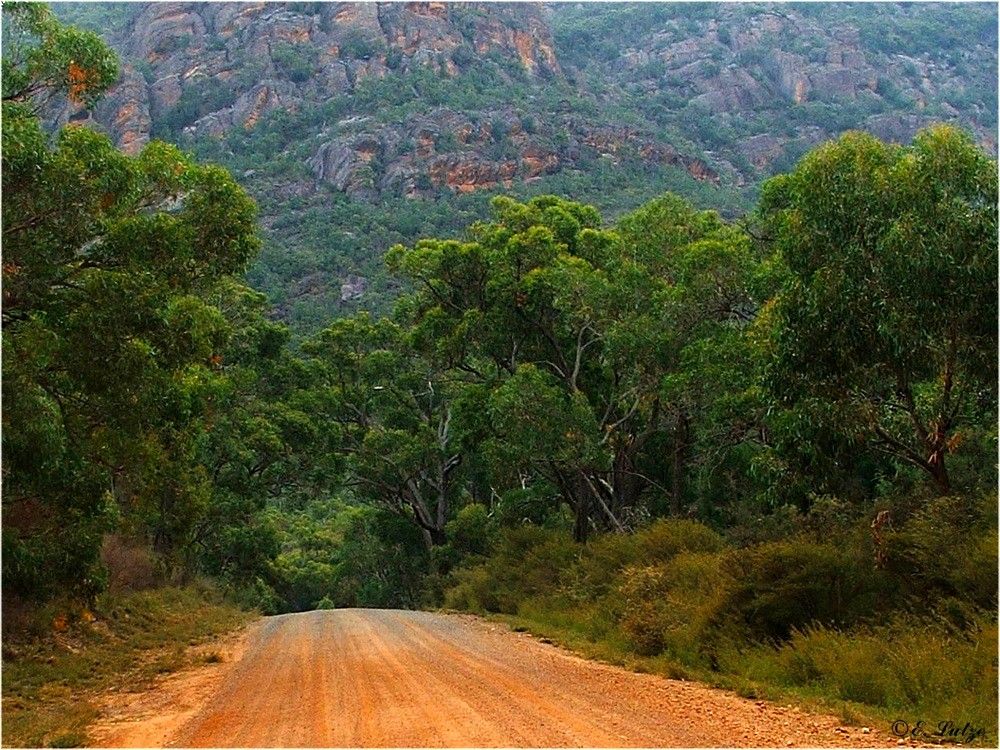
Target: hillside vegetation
[
  {"x": 757, "y": 451},
  {"x": 359, "y": 126}
]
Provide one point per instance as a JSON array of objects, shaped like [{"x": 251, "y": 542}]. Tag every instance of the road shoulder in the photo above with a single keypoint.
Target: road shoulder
[{"x": 150, "y": 717}]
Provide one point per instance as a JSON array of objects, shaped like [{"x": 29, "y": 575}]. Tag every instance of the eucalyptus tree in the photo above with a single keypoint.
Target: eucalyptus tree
[
  {"x": 887, "y": 322},
  {"x": 111, "y": 344},
  {"x": 567, "y": 329},
  {"x": 395, "y": 416},
  {"x": 716, "y": 283},
  {"x": 43, "y": 58}
]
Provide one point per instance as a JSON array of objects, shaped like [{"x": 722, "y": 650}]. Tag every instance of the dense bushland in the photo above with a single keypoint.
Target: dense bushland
[
  {"x": 146, "y": 394},
  {"x": 806, "y": 612},
  {"x": 761, "y": 452}
]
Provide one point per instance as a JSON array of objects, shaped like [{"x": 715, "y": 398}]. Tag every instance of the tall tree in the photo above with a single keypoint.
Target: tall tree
[
  {"x": 889, "y": 310},
  {"x": 111, "y": 342},
  {"x": 565, "y": 323},
  {"x": 395, "y": 411}
]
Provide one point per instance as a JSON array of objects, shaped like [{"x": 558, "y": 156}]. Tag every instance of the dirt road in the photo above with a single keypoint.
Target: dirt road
[{"x": 388, "y": 678}]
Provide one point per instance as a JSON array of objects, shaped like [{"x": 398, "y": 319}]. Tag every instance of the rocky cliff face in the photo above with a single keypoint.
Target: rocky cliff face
[
  {"x": 774, "y": 79},
  {"x": 357, "y": 125},
  {"x": 253, "y": 58},
  {"x": 446, "y": 149},
  {"x": 202, "y": 70}
]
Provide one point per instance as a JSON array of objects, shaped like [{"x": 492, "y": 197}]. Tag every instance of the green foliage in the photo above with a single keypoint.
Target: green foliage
[
  {"x": 140, "y": 391},
  {"x": 339, "y": 555},
  {"x": 102, "y": 267},
  {"x": 297, "y": 61},
  {"x": 904, "y": 666},
  {"x": 44, "y": 58},
  {"x": 564, "y": 331},
  {"x": 469, "y": 533},
  {"x": 785, "y": 585},
  {"x": 98, "y": 17},
  {"x": 949, "y": 546},
  {"x": 912, "y": 278}
]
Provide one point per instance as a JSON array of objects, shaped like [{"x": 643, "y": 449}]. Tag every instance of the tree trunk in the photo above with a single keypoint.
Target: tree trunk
[
  {"x": 437, "y": 537},
  {"x": 939, "y": 472},
  {"x": 581, "y": 521},
  {"x": 678, "y": 461},
  {"x": 582, "y": 507}
]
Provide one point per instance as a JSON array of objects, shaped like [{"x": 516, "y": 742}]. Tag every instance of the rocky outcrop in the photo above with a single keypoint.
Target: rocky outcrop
[
  {"x": 446, "y": 149},
  {"x": 465, "y": 173},
  {"x": 206, "y": 69},
  {"x": 347, "y": 165},
  {"x": 270, "y": 56},
  {"x": 127, "y": 113},
  {"x": 353, "y": 288}
]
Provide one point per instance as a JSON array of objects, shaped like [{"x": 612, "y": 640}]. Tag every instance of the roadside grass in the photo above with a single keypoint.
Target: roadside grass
[
  {"x": 805, "y": 619},
  {"x": 951, "y": 684},
  {"x": 54, "y": 669}
]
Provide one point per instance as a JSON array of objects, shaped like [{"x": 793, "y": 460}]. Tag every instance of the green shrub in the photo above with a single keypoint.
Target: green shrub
[
  {"x": 393, "y": 58},
  {"x": 668, "y": 537},
  {"x": 297, "y": 61},
  {"x": 463, "y": 55},
  {"x": 469, "y": 531},
  {"x": 359, "y": 46},
  {"x": 600, "y": 565},
  {"x": 909, "y": 665},
  {"x": 643, "y": 621},
  {"x": 785, "y": 585},
  {"x": 472, "y": 590},
  {"x": 669, "y": 607},
  {"x": 528, "y": 561},
  {"x": 947, "y": 551}
]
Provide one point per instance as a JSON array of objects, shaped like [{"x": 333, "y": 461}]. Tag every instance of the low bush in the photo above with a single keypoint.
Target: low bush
[
  {"x": 811, "y": 614},
  {"x": 670, "y": 607},
  {"x": 946, "y": 554},
  {"x": 912, "y": 665},
  {"x": 469, "y": 532},
  {"x": 528, "y": 561},
  {"x": 669, "y": 537},
  {"x": 131, "y": 565},
  {"x": 780, "y": 586}
]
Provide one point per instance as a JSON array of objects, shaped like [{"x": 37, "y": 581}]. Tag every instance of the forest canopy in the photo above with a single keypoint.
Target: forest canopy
[{"x": 833, "y": 352}]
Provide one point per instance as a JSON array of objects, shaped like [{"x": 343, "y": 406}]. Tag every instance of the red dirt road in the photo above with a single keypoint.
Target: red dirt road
[{"x": 389, "y": 678}]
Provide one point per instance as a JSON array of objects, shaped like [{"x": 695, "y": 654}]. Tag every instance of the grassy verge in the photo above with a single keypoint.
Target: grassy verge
[
  {"x": 803, "y": 620},
  {"x": 52, "y": 676},
  {"x": 759, "y": 673}
]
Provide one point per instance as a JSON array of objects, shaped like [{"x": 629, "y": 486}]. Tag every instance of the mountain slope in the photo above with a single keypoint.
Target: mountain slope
[{"x": 360, "y": 125}]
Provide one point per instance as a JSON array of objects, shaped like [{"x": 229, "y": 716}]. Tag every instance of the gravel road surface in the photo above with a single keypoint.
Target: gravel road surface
[{"x": 389, "y": 678}]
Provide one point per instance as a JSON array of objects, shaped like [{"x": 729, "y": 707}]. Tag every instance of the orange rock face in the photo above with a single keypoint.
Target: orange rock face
[
  {"x": 801, "y": 91},
  {"x": 435, "y": 10},
  {"x": 466, "y": 174},
  {"x": 257, "y": 110},
  {"x": 524, "y": 45},
  {"x": 535, "y": 162}
]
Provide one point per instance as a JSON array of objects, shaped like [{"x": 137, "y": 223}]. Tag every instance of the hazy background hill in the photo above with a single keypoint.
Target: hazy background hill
[{"x": 358, "y": 126}]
